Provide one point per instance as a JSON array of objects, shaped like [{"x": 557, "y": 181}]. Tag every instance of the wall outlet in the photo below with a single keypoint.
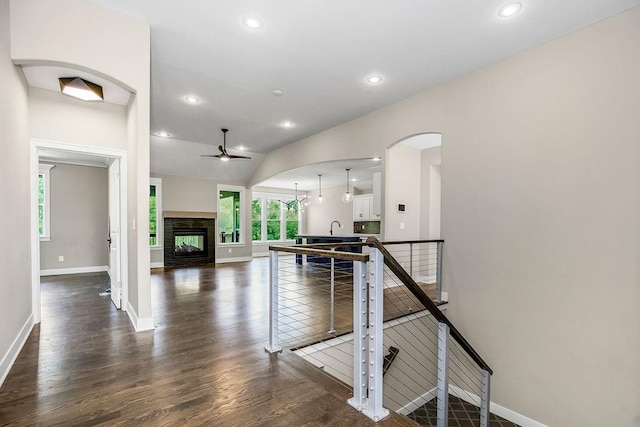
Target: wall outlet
[
  {"x": 61, "y": 258},
  {"x": 230, "y": 250}
]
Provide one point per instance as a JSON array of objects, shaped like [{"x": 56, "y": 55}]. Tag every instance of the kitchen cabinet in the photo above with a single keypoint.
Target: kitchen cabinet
[
  {"x": 376, "y": 206},
  {"x": 363, "y": 208}
]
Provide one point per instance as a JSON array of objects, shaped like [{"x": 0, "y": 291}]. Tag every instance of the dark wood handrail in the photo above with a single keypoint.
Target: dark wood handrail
[
  {"x": 302, "y": 250},
  {"x": 415, "y": 289},
  {"x": 405, "y": 242}
]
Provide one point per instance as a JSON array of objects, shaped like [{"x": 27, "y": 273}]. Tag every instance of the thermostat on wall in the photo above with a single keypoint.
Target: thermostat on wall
[{"x": 401, "y": 207}]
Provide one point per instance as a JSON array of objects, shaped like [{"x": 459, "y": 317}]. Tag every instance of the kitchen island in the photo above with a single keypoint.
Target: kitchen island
[{"x": 311, "y": 239}]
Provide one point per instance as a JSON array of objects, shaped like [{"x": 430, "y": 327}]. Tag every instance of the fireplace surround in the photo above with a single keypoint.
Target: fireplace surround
[{"x": 189, "y": 238}]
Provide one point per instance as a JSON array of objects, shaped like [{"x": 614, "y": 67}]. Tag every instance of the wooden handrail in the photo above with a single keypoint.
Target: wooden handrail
[
  {"x": 405, "y": 242},
  {"x": 415, "y": 289},
  {"x": 302, "y": 250}
]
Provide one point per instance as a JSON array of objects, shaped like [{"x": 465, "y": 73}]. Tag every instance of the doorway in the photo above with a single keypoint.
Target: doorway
[{"x": 115, "y": 161}]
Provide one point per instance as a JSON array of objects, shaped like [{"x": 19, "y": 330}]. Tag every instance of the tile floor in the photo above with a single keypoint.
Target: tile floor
[{"x": 461, "y": 414}]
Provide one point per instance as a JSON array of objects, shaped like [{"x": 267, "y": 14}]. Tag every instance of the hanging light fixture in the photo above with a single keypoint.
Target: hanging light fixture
[
  {"x": 292, "y": 204},
  {"x": 347, "y": 197},
  {"x": 320, "y": 199}
]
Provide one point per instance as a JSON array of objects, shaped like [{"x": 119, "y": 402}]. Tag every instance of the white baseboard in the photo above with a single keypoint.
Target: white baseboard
[
  {"x": 238, "y": 259},
  {"x": 418, "y": 402},
  {"x": 144, "y": 324},
  {"x": 109, "y": 270},
  {"x": 16, "y": 346},
  {"x": 75, "y": 270},
  {"x": 157, "y": 265},
  {"x": 499, "y": 410},
  {"x": 260, "y": 254}
]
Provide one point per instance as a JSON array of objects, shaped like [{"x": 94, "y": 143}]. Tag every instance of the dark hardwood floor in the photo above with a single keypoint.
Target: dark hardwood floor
[{"x": 204, "y": 363}]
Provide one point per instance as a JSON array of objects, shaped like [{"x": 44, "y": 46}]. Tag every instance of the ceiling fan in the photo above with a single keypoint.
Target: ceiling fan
[{"x": 224, "y": 156}]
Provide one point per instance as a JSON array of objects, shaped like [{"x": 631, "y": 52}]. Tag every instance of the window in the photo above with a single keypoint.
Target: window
[
  {"x": 155, "y": 213},
  {"x": 230, "y": 211},
  {"x": 273, "y": 220},
  {"x": 44, "y": 202},
  {"x": 256, "y": 219}
]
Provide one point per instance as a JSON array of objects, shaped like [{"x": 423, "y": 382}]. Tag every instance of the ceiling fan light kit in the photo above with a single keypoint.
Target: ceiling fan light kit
[{"x": 224, "y": 156}]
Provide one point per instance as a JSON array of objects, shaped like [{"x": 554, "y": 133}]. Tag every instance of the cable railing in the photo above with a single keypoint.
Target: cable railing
[{"x": 372, "y": 321}]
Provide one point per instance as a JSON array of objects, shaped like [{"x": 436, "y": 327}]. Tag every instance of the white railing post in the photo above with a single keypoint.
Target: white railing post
[
  {"x": 374, "y": 409},
  {"x": 443, "y": 375},
  {"x": 485, "y": 401},
  {"x": 332, "y": 328},
  {"x": 273, "y": 346},
  {"x": 359, "y": 398},
  {"x": 439, "y": 271}
]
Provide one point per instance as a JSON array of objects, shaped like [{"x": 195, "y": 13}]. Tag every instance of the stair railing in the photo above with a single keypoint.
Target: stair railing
[{"x": 367, "y": 278}]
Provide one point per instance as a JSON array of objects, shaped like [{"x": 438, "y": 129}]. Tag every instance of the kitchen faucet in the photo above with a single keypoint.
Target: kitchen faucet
[{"x": 334, "y": 222}]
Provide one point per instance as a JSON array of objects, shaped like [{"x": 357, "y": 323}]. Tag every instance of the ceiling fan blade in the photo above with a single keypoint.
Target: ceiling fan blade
[
  {"x": 231, "y": 156},
  {"x": 222, "y": 150},
  {"x": 210, "y": 155}
]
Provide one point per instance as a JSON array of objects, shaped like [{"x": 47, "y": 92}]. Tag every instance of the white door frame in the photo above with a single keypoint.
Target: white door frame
[{"x": 35, "y": 145}]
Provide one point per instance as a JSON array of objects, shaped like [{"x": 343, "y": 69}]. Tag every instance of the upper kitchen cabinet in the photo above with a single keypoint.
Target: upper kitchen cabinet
[
  {"x": 362, "y": 207},
  {"x": 376, "y": 205}
]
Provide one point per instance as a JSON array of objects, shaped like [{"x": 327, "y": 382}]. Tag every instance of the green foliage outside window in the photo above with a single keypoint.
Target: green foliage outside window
[
  {"x": 40, "y": 204},
  {"x": 229, "y": 216},
  {"x": 256, "y": 219},
  {"x": 273, "y": 219},
  {"x": 153, "y": 217}
]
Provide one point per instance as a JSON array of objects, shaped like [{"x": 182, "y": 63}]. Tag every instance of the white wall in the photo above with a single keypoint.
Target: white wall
[
  {"x": 319, "y": 217},
  {"x": 87, "y": 36},
  {"x": 79, "y": 214},
  {"x": 430, "y": 193},
  {"x": 402, "y": 185},
  {"x": 540, "y": 151},
  {"x": 57, "y": 117},
  {"x": 15, "y": 276}
]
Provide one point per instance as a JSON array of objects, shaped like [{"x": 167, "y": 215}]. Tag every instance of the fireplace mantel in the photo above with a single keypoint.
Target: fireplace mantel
[{"x": 190, "y": 214}]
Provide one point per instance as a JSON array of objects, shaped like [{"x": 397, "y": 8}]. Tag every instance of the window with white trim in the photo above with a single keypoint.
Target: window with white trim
[
  {"x": 230, "y": 214},
  {"x": 272, "y": 220},
  {"x": 44, "y": 201},
  {"x": 155, "y": 213}
]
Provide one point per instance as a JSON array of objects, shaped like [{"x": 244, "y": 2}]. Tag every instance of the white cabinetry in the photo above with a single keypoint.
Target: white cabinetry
[
  {"x": 363, "y": 208},
  {"x": 376, "y": 206}
]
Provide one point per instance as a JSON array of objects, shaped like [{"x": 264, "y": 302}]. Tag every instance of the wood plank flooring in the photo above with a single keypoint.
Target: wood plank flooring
[{"x": 204, "y": 363}]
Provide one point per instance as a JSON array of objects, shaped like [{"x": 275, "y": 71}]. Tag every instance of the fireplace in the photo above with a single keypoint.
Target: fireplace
[{"x": 189, "y": 238}]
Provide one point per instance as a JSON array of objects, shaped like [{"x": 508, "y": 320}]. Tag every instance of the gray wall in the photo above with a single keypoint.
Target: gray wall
[
  {"x": 540, "y": 152},
  {"x": 15, "y": 276},
  {"x": 79, "y": 215},
  {"x": 402, "y": 185}
]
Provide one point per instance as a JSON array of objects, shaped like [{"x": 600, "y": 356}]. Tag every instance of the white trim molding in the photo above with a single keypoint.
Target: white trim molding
[
  {"x": 12, "y": 353},
  {"x": 74, "y": 270},
  {"x": 418, "y": 402},
  {"x": 237, "y": 259},
  {"x": 144, "y": 324},
  {"x": 157, "y": 265},
  {"x": 499, "y": 410}
]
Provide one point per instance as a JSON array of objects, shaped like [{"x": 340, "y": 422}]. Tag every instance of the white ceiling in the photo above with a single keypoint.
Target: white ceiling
[{"x": 319, "y": 54}]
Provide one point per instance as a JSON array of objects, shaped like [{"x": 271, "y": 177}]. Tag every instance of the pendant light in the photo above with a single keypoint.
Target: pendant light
[
  {"x": 347, "y": 197},
  {"x": 320, "y": 199}
]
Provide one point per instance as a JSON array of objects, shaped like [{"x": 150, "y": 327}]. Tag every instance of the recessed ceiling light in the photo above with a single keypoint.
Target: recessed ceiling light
[
  {"x": 374, "y": 79},
  {"x": 287, "y": 124},
  {"x": 377, "y": 159},
  {"x": 353, "y": 179},
  {"x": 192, "y": 99},
  {"x": 163, "y": 133},
  {"x": 509, "y": 9},
  {"x": 241, "y": 148},
  {"x": 252, "y": 22},
  {"x": 277, "y": 92}
]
